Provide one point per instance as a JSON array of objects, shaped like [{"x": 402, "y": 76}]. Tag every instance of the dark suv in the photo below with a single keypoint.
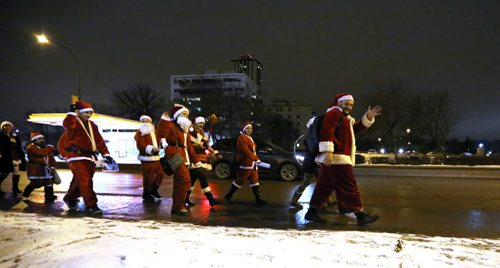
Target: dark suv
[{"x": 283, "y": 163}]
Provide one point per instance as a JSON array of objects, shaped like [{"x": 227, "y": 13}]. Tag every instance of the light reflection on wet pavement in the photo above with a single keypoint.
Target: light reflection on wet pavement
[{"x": 438, "y": 207}]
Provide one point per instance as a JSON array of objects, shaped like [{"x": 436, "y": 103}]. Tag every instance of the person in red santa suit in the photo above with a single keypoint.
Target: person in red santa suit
[
  {"x": 247, "y": 160},
  {"x": 147, "y": 144},
  {"x": 337, "y": 148},
  {"x": 12, "y": 157},
  {"x": 175, "y": 134},
  {"x": 203, "y": 150},
  {"x": 83, "y": 143},
  {"x": 40, "y": 167}
]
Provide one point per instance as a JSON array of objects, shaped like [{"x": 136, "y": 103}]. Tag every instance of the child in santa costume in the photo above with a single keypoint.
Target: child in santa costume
[
  {"x": 174, "y": 133},
  {"x": 40, "y": 167},
  {"x": 337, "y": 148},
  {"x": 147, "y": 144},
  {"x": 247, "y": 160},
  {"x": 12, "y": 157},
  {"x": 83, "y": 143},
  {"x": 203, "y": 150}
]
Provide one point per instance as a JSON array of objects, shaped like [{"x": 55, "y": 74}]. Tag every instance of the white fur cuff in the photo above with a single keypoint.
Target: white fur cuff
[
  {"x": 325, "y": 146},
  {"x": 367, "y": 123},
  {"x": 149, "y": 149}
]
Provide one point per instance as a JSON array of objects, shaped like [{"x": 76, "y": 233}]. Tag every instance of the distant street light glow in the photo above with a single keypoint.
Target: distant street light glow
[{"x": 42, "y": 39}]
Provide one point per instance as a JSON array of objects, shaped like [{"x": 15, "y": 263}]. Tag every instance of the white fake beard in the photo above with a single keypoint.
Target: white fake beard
[
  {"x": 184, "y": 123},
  {"x": 146, "y": 128}
]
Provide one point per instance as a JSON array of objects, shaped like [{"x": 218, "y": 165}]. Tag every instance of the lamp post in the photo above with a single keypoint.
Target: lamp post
[{"x": 42, "y": 39}]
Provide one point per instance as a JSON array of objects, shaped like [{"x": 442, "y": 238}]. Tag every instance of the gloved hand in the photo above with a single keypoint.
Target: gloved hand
[
  {"x": 109, "y": 159},
  {"x": 72, "y": 108}
]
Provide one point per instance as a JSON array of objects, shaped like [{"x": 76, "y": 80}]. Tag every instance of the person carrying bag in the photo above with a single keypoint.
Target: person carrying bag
[{"x": 174, "y": 136}]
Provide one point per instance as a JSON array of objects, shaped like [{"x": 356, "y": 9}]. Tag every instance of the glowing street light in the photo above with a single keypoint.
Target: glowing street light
[{"x": 42, "y": 39}]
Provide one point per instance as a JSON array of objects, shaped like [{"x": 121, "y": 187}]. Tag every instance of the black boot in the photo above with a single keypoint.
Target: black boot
[
  {"x": 28, "y": 190},
  {"x": 295, "y": 200},
  {"x": 49, "y": 194},
  {"x": 188, "y": 202},
  {"x": 148, "y": 197},
  {"x": 229, "y": 195},
  {"x": 312, "y": 215},
  {"x": 15, "y": 184},
  {"x": 211, "y": 199},
  {"x": 365, "y": 218},
  {"x": 155, "y": 193},
  {"x": 258, "y": 200}
]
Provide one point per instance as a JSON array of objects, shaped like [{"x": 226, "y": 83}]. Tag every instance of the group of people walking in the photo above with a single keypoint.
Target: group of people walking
[{"x": 187, "y": 153}]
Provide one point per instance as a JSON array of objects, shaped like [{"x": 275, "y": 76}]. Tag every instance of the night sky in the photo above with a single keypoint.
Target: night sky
[{"x": 310, "y": 50}]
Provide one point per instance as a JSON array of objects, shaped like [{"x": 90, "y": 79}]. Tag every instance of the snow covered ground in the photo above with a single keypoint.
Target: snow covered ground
[{"x": 30, "y": 240}]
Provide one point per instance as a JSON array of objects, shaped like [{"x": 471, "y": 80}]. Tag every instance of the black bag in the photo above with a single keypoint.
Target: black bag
[{"x": 313, "y": 135}]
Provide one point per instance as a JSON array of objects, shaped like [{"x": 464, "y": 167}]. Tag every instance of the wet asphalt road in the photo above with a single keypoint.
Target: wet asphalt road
[{"x": 427, "y": 206}]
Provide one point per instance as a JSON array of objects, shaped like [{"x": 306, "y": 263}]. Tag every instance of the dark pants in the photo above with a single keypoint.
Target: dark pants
[
  {"x": 201, "y": 175},
  {"x": 34, "y": 184}
]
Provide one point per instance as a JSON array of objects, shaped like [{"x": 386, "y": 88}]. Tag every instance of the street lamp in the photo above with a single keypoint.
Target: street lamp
[{"x": 42, "y": 39}]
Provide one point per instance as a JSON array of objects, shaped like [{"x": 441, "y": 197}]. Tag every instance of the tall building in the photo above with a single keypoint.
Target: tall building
[
  {"x": 293, "y": 111},
  {"x": 252, "y": 67},
  {"x": 192, "y": 87}
]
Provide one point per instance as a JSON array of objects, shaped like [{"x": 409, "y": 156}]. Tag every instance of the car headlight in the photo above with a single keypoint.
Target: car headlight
[{"x": 299, "y": 158}]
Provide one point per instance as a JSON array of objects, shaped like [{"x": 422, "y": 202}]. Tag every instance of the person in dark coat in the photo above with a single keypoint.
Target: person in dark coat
[{"x": 12, "y": 157}]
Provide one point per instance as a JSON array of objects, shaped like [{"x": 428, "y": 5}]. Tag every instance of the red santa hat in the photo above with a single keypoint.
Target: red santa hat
[
  {"x": 36, "y": 135},
  {"x": 4, "y": 123},
  {"x": 342, "y": 97},
  {"x": 83, "y": 106},
  {"x": 145, "y": 117},
  {"x": 245, "y": 126},
  {"x": 177, "y": 110},
  {"x": 199, "y": 119}
]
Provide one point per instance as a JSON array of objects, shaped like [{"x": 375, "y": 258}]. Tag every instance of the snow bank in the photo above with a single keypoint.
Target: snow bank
[{"x": 47, "y": 241}]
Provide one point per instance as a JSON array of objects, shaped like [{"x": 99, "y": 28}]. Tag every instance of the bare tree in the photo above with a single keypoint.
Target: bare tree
[
  {"x": 138, "y": 100},
  {"x": 392, "y": 95},
  {"x": 440, "y": 118}
]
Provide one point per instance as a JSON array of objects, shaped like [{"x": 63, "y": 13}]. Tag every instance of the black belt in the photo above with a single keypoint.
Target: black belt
[
  {"x": 81, "y": 151},
  {"x": 178, "y": 145}
]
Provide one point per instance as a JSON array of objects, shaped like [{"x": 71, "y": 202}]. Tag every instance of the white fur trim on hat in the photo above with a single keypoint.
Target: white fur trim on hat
[
  {"x": 36, "y": 137},
  {"x": 199, "y": 119},
  {"x": 245, "y": 127},
  {"x": 7, "y": 123},
  {"x": 145, "y": 117},
  {"x": 180, "y": 111},
  {"x": 346, "y": 97},
  {"x": 84, "y": 110}
]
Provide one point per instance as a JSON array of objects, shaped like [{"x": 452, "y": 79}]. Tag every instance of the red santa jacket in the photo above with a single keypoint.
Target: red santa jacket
[
  {"x": 246, "y": 152},
  {"x": 145, "y": 142},
  {"x": 39, "y": 161},
  {"x": 171, "y": 134},
  {"x": 80, "y": 144},
  {"x": 337, "y": 136},
  {"x": 200, "y": 145},
  {"x": 61, "y": 145}
]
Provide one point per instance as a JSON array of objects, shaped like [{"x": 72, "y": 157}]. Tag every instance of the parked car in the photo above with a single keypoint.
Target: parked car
[{"x": 283, "y": 162}]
